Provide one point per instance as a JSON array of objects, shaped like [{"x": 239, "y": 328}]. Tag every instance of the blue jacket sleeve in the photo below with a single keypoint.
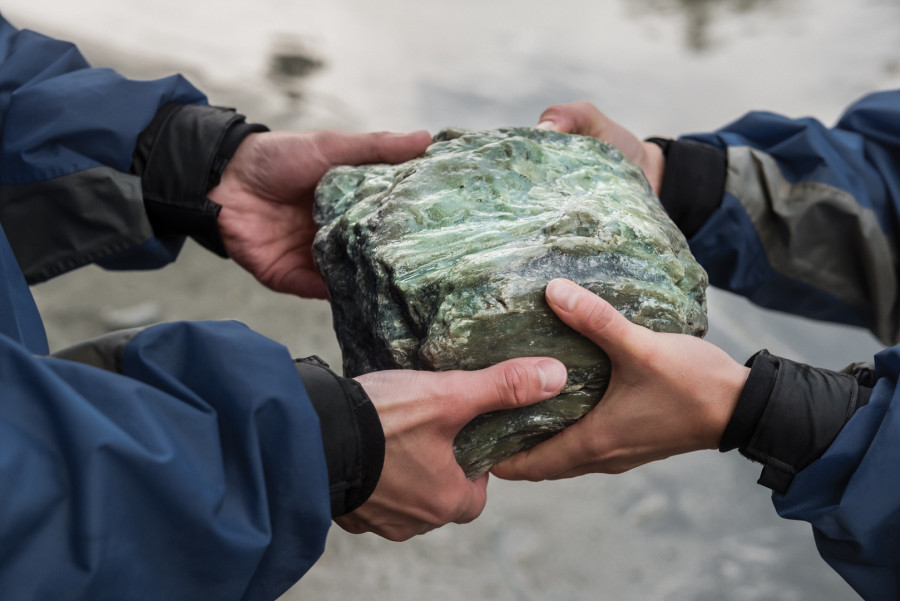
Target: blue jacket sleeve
[
  {"x": 115, "y": 170},
  {"x": 801, "y": 217},
  {"x": 805, "y": 217},
  {"x": 851, "y": 494},
  {"x": 183, "y": 476}
]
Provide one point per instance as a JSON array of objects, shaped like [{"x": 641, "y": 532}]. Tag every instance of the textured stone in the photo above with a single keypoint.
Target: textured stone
[{"x": 441, "y": 263}]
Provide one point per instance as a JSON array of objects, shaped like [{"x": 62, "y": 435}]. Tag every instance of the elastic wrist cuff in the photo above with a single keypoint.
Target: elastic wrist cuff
[
  {"x": 352, "y": 437},
  {"x": 693, "y": 181},
  {"x": 792, "y": 424},
  {"x": 751, "y": 403},
  {"x": 179, "y": 158}
]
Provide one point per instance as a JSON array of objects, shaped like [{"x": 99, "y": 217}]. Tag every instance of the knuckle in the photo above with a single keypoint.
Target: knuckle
[
  {"x": 466, "y": 517},
  {"x": 583, "y": 106},
  {"x": 586, "y": 111},
  {"x": 397, "y": 535},
  {"x": 453, "y": 505},
  {"x": 554, "y": 110},
  {"x": 349, "y": 524},
  {"x": 531, "y": 474},
  {"x": 514, "y": 385},
  {"x": 524, "y": 467},
  {"x": 446, "y": 509}
]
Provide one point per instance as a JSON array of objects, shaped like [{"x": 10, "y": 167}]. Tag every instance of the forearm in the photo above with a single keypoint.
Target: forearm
[
  {"x": 827, "y": 442},
  {"x": 114, "y": 171},
  {"x": 179, "y": 158},
  {"x": 850, "y": 493},
  {"x": 789, "y": 414},
  {"x": 794, "y": 215},
  {"x": 353, "y": 441},
  {"x": 352, "y": 436},
  {"x": 202, "y": 456}
]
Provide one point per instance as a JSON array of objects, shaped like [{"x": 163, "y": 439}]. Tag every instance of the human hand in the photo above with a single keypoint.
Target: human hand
[
  {"x": 668, "y": 394},
  {"x": 584, "y": 119},
  {"x": 266, "y": 194},
  {"x": 421, "y": 486}
]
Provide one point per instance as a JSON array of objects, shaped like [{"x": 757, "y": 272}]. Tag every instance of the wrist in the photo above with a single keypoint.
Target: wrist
[
  {"x": 654, "y": 165},
  {"x": 225, "y": 189},
  {"x": 789, "y": 414},
  {"x": 352, "y": 436},
  {"x": 179, "y": 157},
  {"x": 691, "y": 181},
  {"x": 727, "y": 390}
]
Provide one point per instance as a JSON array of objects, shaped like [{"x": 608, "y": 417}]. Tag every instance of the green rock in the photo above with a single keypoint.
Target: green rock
[{"x": 441, "y": 263}]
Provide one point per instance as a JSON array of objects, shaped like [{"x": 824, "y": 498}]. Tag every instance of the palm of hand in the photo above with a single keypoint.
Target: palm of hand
[{"x": 266, "y": 194}]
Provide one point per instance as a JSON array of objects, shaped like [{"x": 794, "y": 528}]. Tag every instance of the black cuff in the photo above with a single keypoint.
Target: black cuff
[
  {"x": 351, "y": 434},
  {"x": 179, "y": 158},
  {"x": 751, "y": 404},
  {"x": 693, "y": 182},
  {"x": 789, "y": 414}
]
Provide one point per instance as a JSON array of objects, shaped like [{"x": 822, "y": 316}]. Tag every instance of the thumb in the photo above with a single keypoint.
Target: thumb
[
  {"x": 507, "y": 385},
  {"x": 558, "y": 118},
  {"x": 378, "y": 147},
  {"x": 575, "y": 118},
  {"x": 593, "y": 317}
]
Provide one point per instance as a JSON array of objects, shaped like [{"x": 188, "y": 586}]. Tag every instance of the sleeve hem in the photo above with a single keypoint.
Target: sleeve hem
[
  {"x": 693, "y": 182},
  {"x": 751, "y": 403},
  {"x": 789, "y": 414},
  {"x": 352, "y": 437},
  {"x": 179, "y": 158}
]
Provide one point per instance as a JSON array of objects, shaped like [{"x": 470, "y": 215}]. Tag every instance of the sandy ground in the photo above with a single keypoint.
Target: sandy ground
[{"x": 689, "y": 528}]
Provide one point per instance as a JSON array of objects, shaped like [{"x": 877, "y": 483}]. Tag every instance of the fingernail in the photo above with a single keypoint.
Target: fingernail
[
  {"x": 553, "y": 375},
  {"x": 563, "y": 293},
  {"x": 546, "y": 125}
]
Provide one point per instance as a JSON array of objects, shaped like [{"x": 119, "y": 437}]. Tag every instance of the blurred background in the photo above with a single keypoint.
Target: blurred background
[{"x": 692, "y": 528}]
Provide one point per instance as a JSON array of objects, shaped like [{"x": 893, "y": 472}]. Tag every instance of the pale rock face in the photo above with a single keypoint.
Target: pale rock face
[{"x": 441, "y": 263}]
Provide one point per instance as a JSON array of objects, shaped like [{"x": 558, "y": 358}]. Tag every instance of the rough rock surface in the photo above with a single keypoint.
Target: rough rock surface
[{"x": 441, "y": 263}]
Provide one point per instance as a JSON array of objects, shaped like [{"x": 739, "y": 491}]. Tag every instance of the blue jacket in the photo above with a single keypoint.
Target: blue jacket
[
  {"x": 130, "y": 472},
  {"x": 804, "y": 218},
  {"x": 152, "y": 464}
]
